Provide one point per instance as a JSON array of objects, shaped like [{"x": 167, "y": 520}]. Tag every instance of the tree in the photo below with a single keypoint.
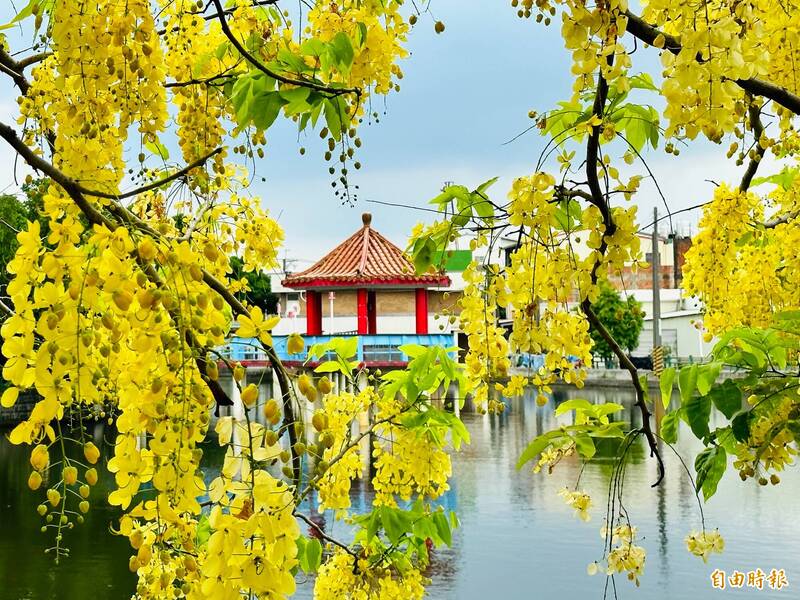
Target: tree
[
  {"x": 123, "y": 295},
  {"x": 129, "y": 297},
  {"x": 572, "y": 233},
  {"x": 14, "y": 214},
  {"x": 622, "y": 319},
  {"x": 260, "y": 287}
]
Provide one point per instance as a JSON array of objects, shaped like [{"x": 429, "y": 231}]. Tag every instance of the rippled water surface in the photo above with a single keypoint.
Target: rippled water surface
[{"x": 518, "y": 540}]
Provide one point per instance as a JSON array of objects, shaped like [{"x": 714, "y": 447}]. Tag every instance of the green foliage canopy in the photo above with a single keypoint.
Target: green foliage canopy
[{"x": 624, "y": 319}]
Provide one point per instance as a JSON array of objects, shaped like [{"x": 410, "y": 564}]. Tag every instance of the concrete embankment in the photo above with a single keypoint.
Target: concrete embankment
[{"x": 20, "y": 411}]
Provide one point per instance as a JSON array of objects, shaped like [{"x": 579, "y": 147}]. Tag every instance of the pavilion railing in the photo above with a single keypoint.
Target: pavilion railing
[{"x": 380, "y": 348}]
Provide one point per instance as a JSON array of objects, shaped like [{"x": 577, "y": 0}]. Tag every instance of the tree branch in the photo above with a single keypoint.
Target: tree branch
[
  {"x": 151, "y": 186},
  {"x": 757, "y": 126},
  {"x": 14, "y": 70},
  {"x": 277, "y": 367},
  {"x": 70, "y": 185},
  {"x": 325, "y": 536},
  {"x": 601, "y": 202},
  {"x": 646, "y": 32},
  {"x": 785, "y": 218},
  {"x": 94, "y": 216},
  {"x": 32, "y": 60},
  {"x": 264, "y": 69},
  {"x": 627, "y": 364}
]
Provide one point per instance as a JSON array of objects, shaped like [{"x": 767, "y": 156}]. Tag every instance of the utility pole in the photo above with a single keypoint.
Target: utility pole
[
  {"x": 658, "y": 354},
  {"x": 656, "y": 266}
]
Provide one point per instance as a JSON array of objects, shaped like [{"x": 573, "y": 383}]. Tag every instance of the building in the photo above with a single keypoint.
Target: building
[
  {"x": 680, "y": 314},
  {"x": 366, "y": 287}
]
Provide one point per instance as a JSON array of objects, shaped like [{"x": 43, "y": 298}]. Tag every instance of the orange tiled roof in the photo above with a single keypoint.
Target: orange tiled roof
[{"x": 365, "y": 258}]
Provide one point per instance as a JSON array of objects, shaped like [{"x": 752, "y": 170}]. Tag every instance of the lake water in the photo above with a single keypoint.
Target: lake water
[{"x": 517, "y": 541}]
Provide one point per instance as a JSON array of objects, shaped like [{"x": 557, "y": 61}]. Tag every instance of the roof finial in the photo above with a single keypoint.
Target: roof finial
[{"x": 366, "y": 218}]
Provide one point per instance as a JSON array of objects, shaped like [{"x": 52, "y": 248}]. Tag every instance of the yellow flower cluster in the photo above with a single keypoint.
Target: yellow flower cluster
[
  {"x": 118, "y": 309},
  {"x": 580, "y": 501},
  {"x": 591, "y": 32},
  {"x": 704, "y": 543},
  {"x": 375, "y": 63},
  {"x": 751, "y": 39},
  {"x": 563, "y": 257},
  {"x": 340, "y": 578},
  {"x": 625, "y": 557},
  {"x": 487, "y": 358},
  {"x": 737, "y": 282},
  {"x": 407, "y": 462},
  {"x": 341, "y": 411},
  {"x": 772, "y": 445}
]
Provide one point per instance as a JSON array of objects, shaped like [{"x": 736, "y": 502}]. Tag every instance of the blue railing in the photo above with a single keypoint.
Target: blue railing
[{"x": 382, "y": 348}]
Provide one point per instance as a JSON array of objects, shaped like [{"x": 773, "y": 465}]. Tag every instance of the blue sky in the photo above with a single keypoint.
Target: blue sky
[{"x": 464, "y": 94}]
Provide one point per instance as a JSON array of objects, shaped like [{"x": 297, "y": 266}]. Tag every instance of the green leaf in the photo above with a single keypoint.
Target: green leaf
[
  {"x": 412, "y": 350},
  {"x": 710, "y": 465},
  {"x": 643, "y": 81},
  {"x": 481, "y": 189},
  {"x": 585, "y": 445},
  {"x": 538, "y": 444},
  {"x": 669, "y": 426},
  {"x": 707, "y": 376},
  {"x": 373, "y": 524},
  {"x": 25, "y": 12},
  {"x": 361, "y": 35},
  {"x": 574, "y": 404},
  {"x": 265, "y": 109},
  {"x": 443, "y": 527},
  {"x": 313, "y": 47},
  {"x": 740, "y": 425},
  {"x": 309, "y": 553},
  {"x": 335, "y": 114},
  {"x": 612, "y": 430},
  {"x": 698, "y": 412},
  {"x": 665, "y": 383},
  {"x": 395, "y": 523},
  {"x": 784, "y": 179},
  {"x": 727, "y": 398},
  {"x": 345, "y": 347},
  {"x": 222, "y": 50},
  {"x": 295, "y": 100},
  {"x": 424, "y": 256},
  {"x": 342, "y": 52},
  {"x": 203, "y": 530},
  {"x": 241, "y": 98},
  {"x": 292, "y": 60},
  {"x": 158, "y": 148},
  {"x": 687, "y": 382},
  {"x": 329, "y": 366}
]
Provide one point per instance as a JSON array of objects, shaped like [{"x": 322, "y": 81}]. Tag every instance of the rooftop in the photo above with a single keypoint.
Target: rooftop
[{"x": 366, "y": 258}]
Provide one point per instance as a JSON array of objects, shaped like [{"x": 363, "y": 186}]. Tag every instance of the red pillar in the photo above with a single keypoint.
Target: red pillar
[
  {"x": 372, "y": 313},
  {"x": 313, "y": 313},
  {"x": 363, "y": 320},
  {"x": 422, "y": 310}
]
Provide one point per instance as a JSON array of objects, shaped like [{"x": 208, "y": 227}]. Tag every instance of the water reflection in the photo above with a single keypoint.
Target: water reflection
[{"x": 518, "y": 540}]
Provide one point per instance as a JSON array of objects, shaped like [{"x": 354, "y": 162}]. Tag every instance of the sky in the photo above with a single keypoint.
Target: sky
[{"x": 464, "y": 94}]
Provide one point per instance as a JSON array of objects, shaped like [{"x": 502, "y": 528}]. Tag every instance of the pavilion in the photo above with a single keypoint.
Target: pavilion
[
  {"x": 363, "y": 273},
  {"x": 368, "y": 263}
]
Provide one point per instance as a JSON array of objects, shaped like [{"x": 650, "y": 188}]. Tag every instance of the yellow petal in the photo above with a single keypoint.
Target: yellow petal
[{"x": 9, "y": 397}]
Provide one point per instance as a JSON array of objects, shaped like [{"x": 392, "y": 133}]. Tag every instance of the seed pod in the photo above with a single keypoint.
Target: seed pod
[
  {"x": 35, "y": 481},
  {"x": 91, "y": 476},
  {"x": 319, "y": 420},
  {"x": 324, "y": 385},
  {"x": 70, "y": 475},
  {"x": 53, "y": 497},
  {"x": 271, "y": 409},
  {"x": 90, "y": 453},
  {"x": 250, "y": 395}
]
